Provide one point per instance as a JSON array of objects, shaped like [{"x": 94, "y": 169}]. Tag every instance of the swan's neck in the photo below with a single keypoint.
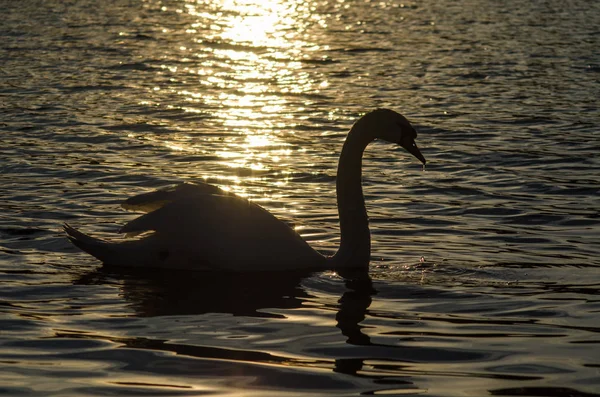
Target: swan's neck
[{"x": 355, "y": 247}]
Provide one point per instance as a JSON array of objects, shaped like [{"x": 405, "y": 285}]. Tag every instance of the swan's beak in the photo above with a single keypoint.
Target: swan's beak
[{"x": 412, "y": 148}]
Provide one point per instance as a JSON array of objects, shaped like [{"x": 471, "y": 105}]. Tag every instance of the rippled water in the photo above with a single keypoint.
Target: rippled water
[{"x": 103, "y": 100}]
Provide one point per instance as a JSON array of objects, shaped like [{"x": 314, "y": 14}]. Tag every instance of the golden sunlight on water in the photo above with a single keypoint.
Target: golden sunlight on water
[{"x": 250, "y": 67}]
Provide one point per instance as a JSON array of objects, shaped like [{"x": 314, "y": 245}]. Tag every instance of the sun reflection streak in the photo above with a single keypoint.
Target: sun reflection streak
[
  {"x": 257, "y": 43},
  {"x": 262, "y": 28},
  {"x": 241, "y": 63}
]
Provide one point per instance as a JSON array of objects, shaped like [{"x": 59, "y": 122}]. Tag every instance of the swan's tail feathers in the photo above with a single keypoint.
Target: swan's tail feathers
[
  {"x": 101, "y": 249},
  {"x": 148, "y": 251}
]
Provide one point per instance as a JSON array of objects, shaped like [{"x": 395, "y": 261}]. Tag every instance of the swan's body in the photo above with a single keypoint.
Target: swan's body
[{"x": 199, "y": 226}]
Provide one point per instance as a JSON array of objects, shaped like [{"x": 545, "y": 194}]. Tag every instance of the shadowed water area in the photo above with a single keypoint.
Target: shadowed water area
[{"x": 100, "y": 101}]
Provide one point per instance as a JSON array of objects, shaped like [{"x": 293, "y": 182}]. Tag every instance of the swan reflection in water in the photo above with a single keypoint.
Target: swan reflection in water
[
  {"x": 263, "y": 295},
  {"x": 157, "y": 292}
]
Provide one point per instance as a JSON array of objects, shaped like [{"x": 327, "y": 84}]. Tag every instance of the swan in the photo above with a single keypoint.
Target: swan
[{"x": 199, "y": 226}]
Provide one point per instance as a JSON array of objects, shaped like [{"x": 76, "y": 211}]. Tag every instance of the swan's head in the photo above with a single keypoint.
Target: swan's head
[{"x": 391, "y": 126}]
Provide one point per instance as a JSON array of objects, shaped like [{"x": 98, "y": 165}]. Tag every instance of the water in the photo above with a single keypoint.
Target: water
[{"x": 100, "y": 101}]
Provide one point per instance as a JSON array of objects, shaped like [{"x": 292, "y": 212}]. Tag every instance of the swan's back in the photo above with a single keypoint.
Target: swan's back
[{"x": 194, "y": 228}]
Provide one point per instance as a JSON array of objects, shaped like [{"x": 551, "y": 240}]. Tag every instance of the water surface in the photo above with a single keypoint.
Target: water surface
[{"x": 103, "y": 101}]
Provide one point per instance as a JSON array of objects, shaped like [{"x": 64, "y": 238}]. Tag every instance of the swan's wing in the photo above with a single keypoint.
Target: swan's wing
[
  {"x": 192, "y": 211},
  {"x": 224, "y": 231},
  {"x": 151, "y": 201}
]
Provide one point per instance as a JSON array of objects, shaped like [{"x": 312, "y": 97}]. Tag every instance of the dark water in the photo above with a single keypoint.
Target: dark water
[{"x": 103, "y": 100}]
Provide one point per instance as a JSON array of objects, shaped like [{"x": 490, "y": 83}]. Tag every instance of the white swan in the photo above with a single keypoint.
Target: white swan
[{"x": 199, "y": 226}]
